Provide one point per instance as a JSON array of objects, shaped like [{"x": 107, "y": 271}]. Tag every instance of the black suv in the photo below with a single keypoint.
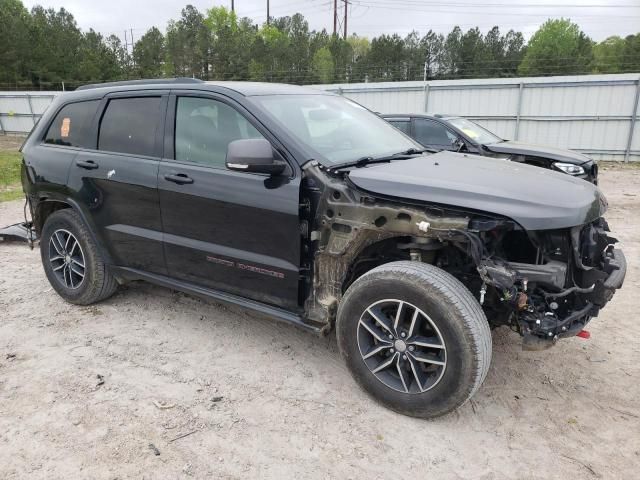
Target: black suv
[
  {"x": 309, "y": 208},
  {"x": 448, "y": 132}
]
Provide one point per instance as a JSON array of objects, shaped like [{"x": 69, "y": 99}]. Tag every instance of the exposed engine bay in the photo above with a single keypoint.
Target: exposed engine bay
[{"x": 544, "y": 284}]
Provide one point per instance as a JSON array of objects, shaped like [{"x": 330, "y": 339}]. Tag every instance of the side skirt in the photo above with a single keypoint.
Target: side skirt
[{"x": 268, "y": 310}]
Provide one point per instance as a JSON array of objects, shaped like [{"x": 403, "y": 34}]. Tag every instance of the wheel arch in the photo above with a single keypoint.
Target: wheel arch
[{"x": 47, "y": 206}]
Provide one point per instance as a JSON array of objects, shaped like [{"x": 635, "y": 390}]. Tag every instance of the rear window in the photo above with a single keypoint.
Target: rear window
[
  {"x": 129, "y": 126},
  {"x": 72, "y": 125}
]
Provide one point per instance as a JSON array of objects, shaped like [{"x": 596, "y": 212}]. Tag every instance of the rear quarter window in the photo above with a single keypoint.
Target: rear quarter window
[
  {"x": 129, "y": 126},
  {"x": 403, "y": 125},
  {"x": 71, "y": 127}
]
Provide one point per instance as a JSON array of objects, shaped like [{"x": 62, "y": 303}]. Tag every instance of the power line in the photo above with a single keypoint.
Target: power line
[
  {"x": 394, "y": 6},
  {"x": 498, "y": 4}
]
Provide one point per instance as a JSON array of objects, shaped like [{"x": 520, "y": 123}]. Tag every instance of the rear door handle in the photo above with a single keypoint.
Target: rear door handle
[
  {"x": 179, "y": 178},
  {"x": 88, "y": 164}
]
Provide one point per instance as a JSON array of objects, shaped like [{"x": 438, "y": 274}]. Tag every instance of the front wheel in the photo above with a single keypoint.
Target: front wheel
[{"x": 414, "y": 338}]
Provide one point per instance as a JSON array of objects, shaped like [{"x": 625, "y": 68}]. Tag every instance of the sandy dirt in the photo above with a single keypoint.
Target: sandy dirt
[
  {"x": 11, "y": 142},
  {"x": 156, "y": 384}
]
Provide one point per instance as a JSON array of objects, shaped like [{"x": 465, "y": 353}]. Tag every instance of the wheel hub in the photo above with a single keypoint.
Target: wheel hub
[{"x": 400, "y": 345}]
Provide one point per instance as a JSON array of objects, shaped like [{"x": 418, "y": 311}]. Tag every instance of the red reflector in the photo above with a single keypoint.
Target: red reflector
[{"x": 584, "y": 334}]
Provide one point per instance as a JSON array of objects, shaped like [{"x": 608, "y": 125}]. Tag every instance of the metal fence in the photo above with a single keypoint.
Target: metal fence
[
  {"x": 19, "y": 111},
  {"x": 593, "y": 114}
]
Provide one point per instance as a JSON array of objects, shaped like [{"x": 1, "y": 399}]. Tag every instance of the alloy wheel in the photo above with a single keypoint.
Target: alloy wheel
[
  {"x": 67, "y": 259},
  {"x": 401, "y": 345}
]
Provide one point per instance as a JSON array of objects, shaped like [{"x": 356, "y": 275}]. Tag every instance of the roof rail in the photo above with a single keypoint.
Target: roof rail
[{"x": 153, "y": 81}]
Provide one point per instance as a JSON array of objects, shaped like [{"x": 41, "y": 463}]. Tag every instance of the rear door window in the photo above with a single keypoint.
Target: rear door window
[
  {"x": 204, "y": 129},
  {"x": 72, "y": 125},
  {"x": 429, "y": 132},
  {"x": 129, "y": 126}
]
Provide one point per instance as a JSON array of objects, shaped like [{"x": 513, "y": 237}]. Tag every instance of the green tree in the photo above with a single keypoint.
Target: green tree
[
  {"x": 55, "y": 41},
  {"x": 432, "y": 45},
  {"x": 119, "y": 52},
  {"x": 474, "y": 59},
  {"x": 631, "y": 53},
  {"x": 452, "y": 55},
  {"x": 14, "y": 41},
  {"x": 149, "y": 54},
  {"x": 323, "y": 67},
  {"x": 97, "y": 62},
  {"x": 559, "y": 47},
  {"x": 514, "y": 52},
  {"x": 386, "y": 59},
  {"x": 356, "y": 63},
  {"x": 414, "y": 56},
  {"x": 188, "y": 45}
]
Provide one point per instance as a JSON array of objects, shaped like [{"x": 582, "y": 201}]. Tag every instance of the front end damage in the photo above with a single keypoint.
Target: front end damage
[
  {"x": 544, "y": 284},
  {"x": 554, "y": 293}
]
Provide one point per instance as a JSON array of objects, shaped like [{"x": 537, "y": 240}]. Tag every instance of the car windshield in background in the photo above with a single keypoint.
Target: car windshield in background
[
  {"x": 474, "y": 131},
  {"x": 333, "y": 128}
]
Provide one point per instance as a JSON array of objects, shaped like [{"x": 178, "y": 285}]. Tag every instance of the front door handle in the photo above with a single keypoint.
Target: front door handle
[
  {"x": 87, "y": 164},
  {"x": 179, "y": 178}
]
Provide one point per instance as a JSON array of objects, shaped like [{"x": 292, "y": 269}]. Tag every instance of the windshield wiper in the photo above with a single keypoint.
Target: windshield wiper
[{"x": 362, "y": 161}]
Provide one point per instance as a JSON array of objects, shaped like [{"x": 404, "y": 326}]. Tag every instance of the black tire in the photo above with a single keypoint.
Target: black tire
[
  {"x": 98, "y": 283},
  {"x": 451, "y": 312}
]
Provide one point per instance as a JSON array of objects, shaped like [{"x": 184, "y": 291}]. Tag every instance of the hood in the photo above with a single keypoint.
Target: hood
[
  {"x": 536, "y": 198},
  {"x": 555, "y": 154}
]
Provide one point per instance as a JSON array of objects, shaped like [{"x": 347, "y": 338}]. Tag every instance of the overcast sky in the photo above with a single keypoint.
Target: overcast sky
[{"x": 598, "y": 18}]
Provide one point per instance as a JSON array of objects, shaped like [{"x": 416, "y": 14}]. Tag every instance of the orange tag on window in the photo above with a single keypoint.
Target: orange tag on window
[{"x": 64, "y": 128}]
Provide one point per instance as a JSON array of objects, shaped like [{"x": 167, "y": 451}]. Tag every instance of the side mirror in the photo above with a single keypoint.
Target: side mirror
[{"x": 253, "y": 155}]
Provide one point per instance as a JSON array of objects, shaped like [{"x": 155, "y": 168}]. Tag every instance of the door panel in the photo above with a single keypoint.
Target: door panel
[
  {"x": 231, "y": 231},
  {"x": 122, "y": 198},
  {"x": 120, "y": 187}
]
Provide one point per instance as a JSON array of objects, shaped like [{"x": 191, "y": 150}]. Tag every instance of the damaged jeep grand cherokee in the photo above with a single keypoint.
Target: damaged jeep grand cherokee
[{"x": 308, "y": 208}]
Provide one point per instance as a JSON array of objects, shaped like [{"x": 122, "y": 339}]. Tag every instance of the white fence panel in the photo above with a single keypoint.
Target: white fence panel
[
  {"x": 19, "y": 111},
  {"x": 594, "y": 114}
]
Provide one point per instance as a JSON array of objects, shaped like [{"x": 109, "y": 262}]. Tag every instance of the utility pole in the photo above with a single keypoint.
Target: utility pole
[
  {"x": 267, "y": 12},
  {"x": 233, "y": 8},
  {"x": 346, "y": 6},
  {"x": 335, "y": 17}
]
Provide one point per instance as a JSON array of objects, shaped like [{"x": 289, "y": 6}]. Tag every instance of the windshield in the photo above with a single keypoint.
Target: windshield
[
  {"x": 335, "y": 129},
  {"x": 474, "y": 131}
]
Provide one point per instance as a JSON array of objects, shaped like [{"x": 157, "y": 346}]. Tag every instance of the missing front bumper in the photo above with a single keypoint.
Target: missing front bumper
[{"x": 20, "y": 232}]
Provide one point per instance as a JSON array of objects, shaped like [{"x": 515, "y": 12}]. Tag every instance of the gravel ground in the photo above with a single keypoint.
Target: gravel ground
[{"x": 156, "y": 384}]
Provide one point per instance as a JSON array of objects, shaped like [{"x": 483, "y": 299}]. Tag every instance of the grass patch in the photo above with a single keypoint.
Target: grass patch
[{"x": 10, "y": 186}]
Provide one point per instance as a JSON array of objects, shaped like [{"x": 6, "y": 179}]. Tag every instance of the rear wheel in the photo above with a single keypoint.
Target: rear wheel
[
  {"x": 72, "y": 262},
  {"x": 414, "y": 338}
]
